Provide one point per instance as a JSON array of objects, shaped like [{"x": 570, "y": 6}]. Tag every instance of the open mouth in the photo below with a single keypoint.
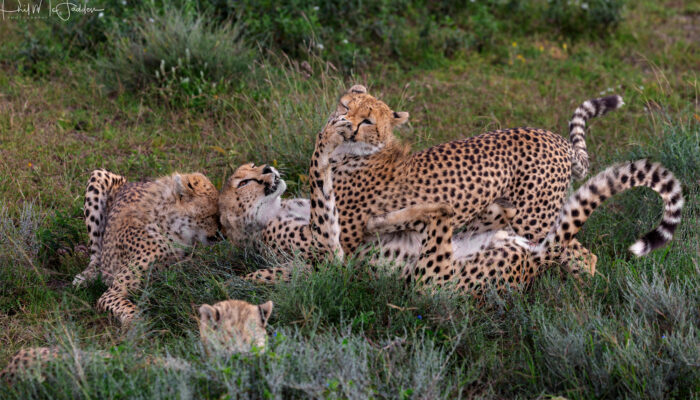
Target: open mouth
[{"x": 272, "y": 188}]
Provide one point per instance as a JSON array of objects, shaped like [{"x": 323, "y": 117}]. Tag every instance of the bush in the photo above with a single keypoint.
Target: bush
[
  {"x": 585, "y": 17},
  {"x": 184, "y": 56}
]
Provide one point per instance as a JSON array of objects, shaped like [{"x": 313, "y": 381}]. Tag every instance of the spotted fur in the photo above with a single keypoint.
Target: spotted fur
[
  {"x": 230, "y": 326},
  {"x": 134, "y": 226},
  {"x": 374, "y": 173},
  {"x": 577, "y": 133},
  {"x": 101, "y": 191},
  {"x": 498, "y": 259},
  {"x": 252, "y": 209}
]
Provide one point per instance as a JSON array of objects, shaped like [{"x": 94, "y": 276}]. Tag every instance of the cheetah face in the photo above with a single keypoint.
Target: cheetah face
[
  {"x": 372, "y": 121},
  {"x": 197, "y": 208},
  {"x": 250, "y": 197},
  {"x": 233, "y": 326}
]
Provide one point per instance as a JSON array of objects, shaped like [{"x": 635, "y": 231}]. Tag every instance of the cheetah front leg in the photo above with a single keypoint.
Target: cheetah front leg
[
  {"x": 129, "y": 279},
  {"x": 323, "y": 221},
  {"x": 323, "y": 227}
]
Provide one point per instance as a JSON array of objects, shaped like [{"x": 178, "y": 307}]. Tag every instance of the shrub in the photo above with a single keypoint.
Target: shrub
[
  {"x": 184, "y": 56},
  {"x": 585, "y": 17}
]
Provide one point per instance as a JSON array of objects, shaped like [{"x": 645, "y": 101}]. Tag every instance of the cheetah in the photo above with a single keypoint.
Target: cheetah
[
  {"x": 132, "y": 226},
  {"x": 374, "y": 173},
  {"x": 499, "y": 259},
  {"x": 252, "y": 210},
  {"x": 234, "y": 326},
  {"x": 227, "y": 327}
]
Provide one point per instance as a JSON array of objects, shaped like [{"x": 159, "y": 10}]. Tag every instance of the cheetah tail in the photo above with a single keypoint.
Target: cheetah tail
[
  {"x": 614, "y": 180},
  {"x": 101, "y": 186},
  {"x": 577, "y": 134}
]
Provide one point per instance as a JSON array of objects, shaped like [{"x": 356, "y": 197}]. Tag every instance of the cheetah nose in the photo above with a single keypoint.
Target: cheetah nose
[{"x": 267, "y": 170}]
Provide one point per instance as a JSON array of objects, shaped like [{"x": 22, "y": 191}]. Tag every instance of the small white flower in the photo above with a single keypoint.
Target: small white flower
[
  {"x": 609, "y": 89},
  {"x": 316, "y": 8},
  {"x": 584, "y": 6},
  {"x": 641, "y": 87},
  {"x": 123, "y": 2},
  {"x": 100, "y": 15},
  {"x": 602, "y": 93},
  {"x": 151, "y": 20},
  {"x": 345, "y": 41},
  {"x": 185, "y": 80},
  {"x": 319, "y": 46}
]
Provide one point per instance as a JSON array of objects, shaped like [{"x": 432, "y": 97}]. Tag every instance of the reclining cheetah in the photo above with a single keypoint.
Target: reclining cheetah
[
  {"x": 230, "y": 326},
  {"x": 498, "y": 259},
  {"x": 252, "y": 209},
  {"x": 373, "y": 173},
  {"x": 135, "y": 225}
]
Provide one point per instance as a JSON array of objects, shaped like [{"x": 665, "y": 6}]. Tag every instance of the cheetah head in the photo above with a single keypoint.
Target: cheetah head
[
  {"x": 372, "y": 121},
  {"x": 250, "y": 197},
  {"x": 195, "y": 216},
  {"x": 233, "y": 326}
]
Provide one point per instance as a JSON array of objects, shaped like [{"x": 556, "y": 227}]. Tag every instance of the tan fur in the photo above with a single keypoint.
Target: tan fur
[
  {"x": 374, "y": 173},
  {"x": 227, "y": 327},
  {"x": 143, "y": 224},
  {"x": 234, "y": 326}
]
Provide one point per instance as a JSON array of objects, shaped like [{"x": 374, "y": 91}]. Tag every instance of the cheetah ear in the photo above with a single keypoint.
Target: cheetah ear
[
  {"x": 209, "y": 313},
  {"x": 357, "y": 89},
  {"x": 400, "y": 118},
  {"x": 265, "y": 311},
  {"x": 183, "y": 185}
]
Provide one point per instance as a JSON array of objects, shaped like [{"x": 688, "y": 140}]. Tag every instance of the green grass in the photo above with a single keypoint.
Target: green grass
[{"x": 629, "y": 332}]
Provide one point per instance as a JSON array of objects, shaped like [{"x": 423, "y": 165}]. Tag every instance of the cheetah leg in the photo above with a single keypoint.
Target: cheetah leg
[
  {"x": 115, "y": 300},
  {"x": 99, "y": 193},
  {"x": 411, "y": 218},
  {"x": 497, "y": 215},
  {"x": 434, "y": 222},
  {"x": 577, "y": 259},
  {"x": 27, "y": 360},
  {"x": 270, "y": 276},
  {"x": 323, "y": 219}
]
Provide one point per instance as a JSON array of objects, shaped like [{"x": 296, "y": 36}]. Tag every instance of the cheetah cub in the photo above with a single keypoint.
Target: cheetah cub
[
  {"x": 133, "y": 226},
  {"x": 227, "y": 327}
]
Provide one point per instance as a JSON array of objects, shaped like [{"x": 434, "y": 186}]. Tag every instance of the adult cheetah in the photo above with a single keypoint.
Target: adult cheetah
[
  {"x": 374, "y": 173},
  {"x": 497, "y": 259}
]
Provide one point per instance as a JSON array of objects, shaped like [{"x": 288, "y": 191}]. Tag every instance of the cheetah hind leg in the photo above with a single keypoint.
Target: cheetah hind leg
[
  {"x": 273, "y": 275},
  {"x": 115, "y": 300},
  {"x": 576, "y": 259},
  {"x": 434, "y": 222}
]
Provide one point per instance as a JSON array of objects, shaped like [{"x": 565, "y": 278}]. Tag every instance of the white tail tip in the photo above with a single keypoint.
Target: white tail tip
[{"x": 639, "y": 248}]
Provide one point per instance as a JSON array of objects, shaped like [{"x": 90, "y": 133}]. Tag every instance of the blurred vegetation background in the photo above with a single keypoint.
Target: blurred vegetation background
[{"x": 149, "y": 88}]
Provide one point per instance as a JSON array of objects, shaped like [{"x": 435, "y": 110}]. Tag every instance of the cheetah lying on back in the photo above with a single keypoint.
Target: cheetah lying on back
[
  {"x": 133, "y": 226},
  {"x": 374, "y": 173},
  {"x": 227, "y": 327}
]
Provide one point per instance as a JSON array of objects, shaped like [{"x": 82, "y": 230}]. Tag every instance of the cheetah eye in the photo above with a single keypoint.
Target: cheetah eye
[{"x": 244, "y": 182}]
